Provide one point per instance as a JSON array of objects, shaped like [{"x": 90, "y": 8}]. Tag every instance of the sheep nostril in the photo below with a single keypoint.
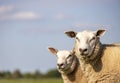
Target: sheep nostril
[
  {"x": 80, "y": 50},
  {"x": 61, "y": 64},
  {"x": 85, "y": 50}
]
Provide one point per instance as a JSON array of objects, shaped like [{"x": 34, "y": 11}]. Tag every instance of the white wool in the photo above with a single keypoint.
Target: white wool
[
  {"x": 70, "y": 70},
  {"x": 100, "y": 63}
]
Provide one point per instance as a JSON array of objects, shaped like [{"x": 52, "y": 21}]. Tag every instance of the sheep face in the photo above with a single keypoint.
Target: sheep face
[
  {"x": 64, "y": 59},
  {"x": 85, "y": 41}
]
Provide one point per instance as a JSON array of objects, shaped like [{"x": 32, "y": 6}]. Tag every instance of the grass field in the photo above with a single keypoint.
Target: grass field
[{"x": 31, "y": 80}]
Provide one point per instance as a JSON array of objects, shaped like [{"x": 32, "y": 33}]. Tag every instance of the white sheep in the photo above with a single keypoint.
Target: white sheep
[
  {"x": 68, "y": 66},
  {"x": 99, "y": 62}
]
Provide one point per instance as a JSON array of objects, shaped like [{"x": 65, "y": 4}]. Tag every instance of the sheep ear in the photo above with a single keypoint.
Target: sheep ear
[
  {"x": 53, "y": 50},
  {"x": 71, "y": 34},
  {"x": 100, "y": 32}
]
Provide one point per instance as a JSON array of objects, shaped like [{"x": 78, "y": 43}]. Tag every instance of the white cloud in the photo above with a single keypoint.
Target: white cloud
[
  {"x": 79, "y": 25},
  {"x": 4, "y": 9},
  {"x": 21, "y": 16},
  {"x": 7, "y": 13},
  {"x": 60, "y": 16},
  {"x": 25, "y": 15}
]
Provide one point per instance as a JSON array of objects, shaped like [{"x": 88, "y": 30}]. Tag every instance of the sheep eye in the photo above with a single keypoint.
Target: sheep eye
[
  {"x": 77, "y": 39},
  {"x": 69, "y": 56},
  {"x": 92, "y": 39}
]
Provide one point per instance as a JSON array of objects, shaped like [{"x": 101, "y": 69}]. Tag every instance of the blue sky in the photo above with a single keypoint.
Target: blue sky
[{"x": 28, "y": 27}]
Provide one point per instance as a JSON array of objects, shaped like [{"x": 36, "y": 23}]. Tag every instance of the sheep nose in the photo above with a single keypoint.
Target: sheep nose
[
  {"x": 82, "y": 51},
  {"x": 60, "y": 65}
]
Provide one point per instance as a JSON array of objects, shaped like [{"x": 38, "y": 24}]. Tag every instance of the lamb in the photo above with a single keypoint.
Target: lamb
[
  {"x": 68, "y": 66},
  {"x": 100, "y": 63}
]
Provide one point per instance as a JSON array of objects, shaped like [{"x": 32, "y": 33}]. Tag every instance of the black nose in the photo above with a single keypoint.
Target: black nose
[
  {"x": 82, "y": 50},
  {"x": 59, "y": 65}
]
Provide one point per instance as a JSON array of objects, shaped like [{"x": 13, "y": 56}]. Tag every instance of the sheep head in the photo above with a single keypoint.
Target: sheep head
[
  {"x": 64, "y": 59},
  {"x": 85, "y": 41}
]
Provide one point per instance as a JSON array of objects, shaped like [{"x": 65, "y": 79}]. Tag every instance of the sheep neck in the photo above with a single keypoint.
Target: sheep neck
[
  {"x": 72, "y": 72},
  {"x": 92, "y": 63},
  {"x": 73, "y": 66}
]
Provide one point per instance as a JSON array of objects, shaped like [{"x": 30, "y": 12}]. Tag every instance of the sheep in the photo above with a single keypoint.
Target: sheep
[
  {"x": 68, "y": 66},
  {"x": 100, "y": 63}
]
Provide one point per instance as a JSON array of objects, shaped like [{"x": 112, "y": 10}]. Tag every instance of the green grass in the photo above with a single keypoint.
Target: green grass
[{"x": 50, "y": 80}]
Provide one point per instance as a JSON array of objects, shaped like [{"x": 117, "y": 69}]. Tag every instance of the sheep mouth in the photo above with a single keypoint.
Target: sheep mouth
[
  {"x": 84, "y": 55},
  {"x": 62, "y": 69}
]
